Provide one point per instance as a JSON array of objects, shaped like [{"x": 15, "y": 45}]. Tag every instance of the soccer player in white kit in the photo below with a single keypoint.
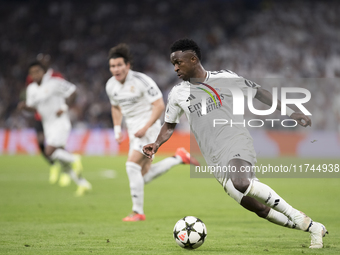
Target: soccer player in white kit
[
  {"x": 136, "y": 96},
  {"x": 48, "y": 96},
  {"x": 229, "y": 145}
]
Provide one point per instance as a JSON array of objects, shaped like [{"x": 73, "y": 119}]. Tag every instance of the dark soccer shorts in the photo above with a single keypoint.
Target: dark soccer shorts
[{"x": 38, "y": 126}]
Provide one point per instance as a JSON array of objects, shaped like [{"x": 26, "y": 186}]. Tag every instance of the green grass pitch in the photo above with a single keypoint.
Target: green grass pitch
[{"x": 39, "y": 218}]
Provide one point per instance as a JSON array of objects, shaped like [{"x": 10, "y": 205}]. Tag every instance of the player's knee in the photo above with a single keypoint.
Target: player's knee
[
  {"x": 241, "y": 184},
  {"x": 48, "y": 152},
  {"x": 231, "y": 191},
  {"x": 41, "y": 138},
  {"x": 263, "y": 213}
]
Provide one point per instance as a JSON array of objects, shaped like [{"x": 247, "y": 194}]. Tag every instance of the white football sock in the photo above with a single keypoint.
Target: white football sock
[
  {"x": 66, "y": 167},
  {"x": 266, "y": 195},
  {"x": 179, "y": 158},
  {"x": 160, "y": 168},
  {"x": 280, "y": 219},
  {"x": 134, "y": 172},
  {"x": 74, "y": 177},
  {"x": 63, "y": 156}
]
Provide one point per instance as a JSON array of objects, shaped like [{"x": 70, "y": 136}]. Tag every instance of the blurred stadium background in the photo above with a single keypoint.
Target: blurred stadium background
[{"x": 275, "y": 43}]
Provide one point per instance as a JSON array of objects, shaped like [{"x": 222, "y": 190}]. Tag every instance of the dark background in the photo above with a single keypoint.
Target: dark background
[{"x": 256, "y": 39}]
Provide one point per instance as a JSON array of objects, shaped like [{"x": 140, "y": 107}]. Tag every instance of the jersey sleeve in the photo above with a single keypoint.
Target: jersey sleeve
[
  {"x": 173, "y": 111},
  {"x": 250, "y": 84},
  {"x": 236, "y": 80},
  {"x": 30, "y": 97},
  {"x": 57, "y": 74},
  {"x": 150, "y": 88},
  {"x": 64, "y": 88},
  {"x": 245, "y": 84},
  {"x": 29, "y": 80},
  {"x": 110, "y": 94}
]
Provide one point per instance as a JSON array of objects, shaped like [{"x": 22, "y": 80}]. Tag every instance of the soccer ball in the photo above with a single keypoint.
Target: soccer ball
[{"x": 190, "y": 232}]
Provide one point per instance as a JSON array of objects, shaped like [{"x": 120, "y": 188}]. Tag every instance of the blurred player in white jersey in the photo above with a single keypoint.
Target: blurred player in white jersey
[
  {"x": 55, "y": 166},
  {"x": 336, "y": 108},
  {"x": 48, "y": 96},
  {"x": 229, "y": 145},
  {"x": 136, "y": 96}
]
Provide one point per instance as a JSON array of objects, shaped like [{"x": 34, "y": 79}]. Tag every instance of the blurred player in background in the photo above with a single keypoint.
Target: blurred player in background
[
  {"x": 136, "y": 96},
  {"x": 229, "y": 145},
  {"x": 45, "y": 59},
  {"x": 336, "y": 109},
  {"x": 48, "y": 96}
]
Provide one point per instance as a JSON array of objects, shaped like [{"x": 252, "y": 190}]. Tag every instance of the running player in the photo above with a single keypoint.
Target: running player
[
  {"x": 136, "y": 96},
  {"x": 54, "y": 166},
  {"x": 48, "y": 96},
  {"x": 229, "y": 145}
]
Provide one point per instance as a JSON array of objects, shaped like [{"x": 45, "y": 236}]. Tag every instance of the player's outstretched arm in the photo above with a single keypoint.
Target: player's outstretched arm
[
  {"x": 22, "y": 106},
  {"x": 302, "y": 119},
  {"x": 164, "y": 135},
  {"x": 68, "y": 102},
  {"x": 71, "y": 99},
  {"x": 266, "y": 97},
  {"x": 117, "y": 118}
]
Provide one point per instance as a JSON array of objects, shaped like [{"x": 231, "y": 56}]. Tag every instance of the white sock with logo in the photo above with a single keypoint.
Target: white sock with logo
[
  {"x": 134, "y": 172},
  {"x": 280, "y": 219},
  {"x": 63, "y": 156},
  {"x": 266, "y": 195},
  {"x": 160, "y": 168}
]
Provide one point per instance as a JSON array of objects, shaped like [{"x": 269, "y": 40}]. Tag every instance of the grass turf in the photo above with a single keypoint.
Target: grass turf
[{"x": 39, "y": 218}]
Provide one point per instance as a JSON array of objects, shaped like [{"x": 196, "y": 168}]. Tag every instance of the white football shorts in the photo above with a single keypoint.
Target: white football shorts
[
  {"x": 241, "y": 148},
  {"x": 149, "y": 137},
  {"x": 57, "y": 132}
]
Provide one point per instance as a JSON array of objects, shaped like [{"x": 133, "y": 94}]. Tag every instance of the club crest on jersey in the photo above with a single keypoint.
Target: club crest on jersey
[{"x": 132, "y": 89}]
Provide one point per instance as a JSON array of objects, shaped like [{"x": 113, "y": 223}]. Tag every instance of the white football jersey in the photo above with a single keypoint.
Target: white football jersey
[
  {"x": 49, "y": 96},
  {"x": 134, "y": 97},
  {"x": 214, "y": 141}
]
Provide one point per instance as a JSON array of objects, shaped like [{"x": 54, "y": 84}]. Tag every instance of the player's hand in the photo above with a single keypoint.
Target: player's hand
[
  {"x": 59, "y": 112},
  {"x": 140, "y": 133},
  {"x": 21, "y": 105},
  {"x": 150, "y": 149},
  {"x": 302, "y": 119},
  {"x": 119, "y": 138}
]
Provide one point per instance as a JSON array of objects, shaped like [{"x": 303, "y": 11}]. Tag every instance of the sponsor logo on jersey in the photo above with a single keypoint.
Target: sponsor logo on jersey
[
  {"x": 204, "y": 105},
  {"x": 191, "y": 97}
]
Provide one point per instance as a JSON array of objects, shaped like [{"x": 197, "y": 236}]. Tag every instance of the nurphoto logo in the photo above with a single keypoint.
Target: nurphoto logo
[{"x": 238, "y": 102}]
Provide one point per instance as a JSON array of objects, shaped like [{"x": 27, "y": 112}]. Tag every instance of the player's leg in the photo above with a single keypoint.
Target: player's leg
[
  {"x": 55, "y": 167},
  {"x": 244, "y": 182},
  {"x": 134, "y": 171},
  {"x": 266, "y": 212},
  {"x": 72, "y": 168},
  {"x": 41, "y": 139},
  {"x": 152, "y": 171},
  {"x": 41, "y": 144},
  {"x": 247, "y": 185},
  {"x": 251, "y": 204},
  {"x": 56, "y": 135}
]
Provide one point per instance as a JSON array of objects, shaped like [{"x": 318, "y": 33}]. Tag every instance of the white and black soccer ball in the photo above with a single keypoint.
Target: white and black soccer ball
[{"x": 190, "y": 232}]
